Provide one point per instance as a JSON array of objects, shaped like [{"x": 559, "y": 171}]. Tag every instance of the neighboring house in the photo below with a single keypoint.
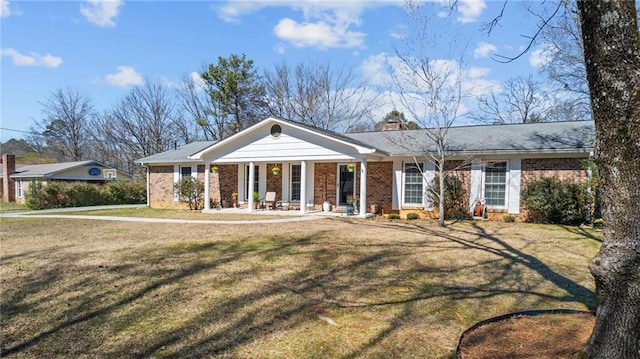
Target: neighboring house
[
  {"x": 495, "y": 162},
  {"x": 16, "y": 178}
]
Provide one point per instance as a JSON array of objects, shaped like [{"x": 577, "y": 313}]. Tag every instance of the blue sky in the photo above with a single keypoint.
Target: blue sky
[{"x": 105, "y": 48}]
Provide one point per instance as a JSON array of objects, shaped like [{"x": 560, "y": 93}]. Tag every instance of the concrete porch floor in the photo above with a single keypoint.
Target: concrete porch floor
[{"x": 279, "y": 212}]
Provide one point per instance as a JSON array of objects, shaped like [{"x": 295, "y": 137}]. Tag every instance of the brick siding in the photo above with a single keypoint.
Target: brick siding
[
  {"x": 564, "y": 169},
  {"x": 380, "y": 185},
  {"x": 325, "y": 183}
]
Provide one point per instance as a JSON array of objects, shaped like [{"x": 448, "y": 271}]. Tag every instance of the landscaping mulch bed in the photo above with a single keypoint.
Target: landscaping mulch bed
[{"x": 549, "y": 335}]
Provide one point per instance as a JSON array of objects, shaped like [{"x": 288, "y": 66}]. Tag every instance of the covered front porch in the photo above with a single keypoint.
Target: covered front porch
[
  {"x": 305, "y": 168},
  {"x": 296, "y": 187}
]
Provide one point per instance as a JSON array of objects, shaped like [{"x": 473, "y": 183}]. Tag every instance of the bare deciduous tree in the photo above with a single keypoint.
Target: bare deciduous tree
[
  {"x": 206, "y": 114},
  {"x": 319, "y": 95},
  {"x": 431, "y": 92},
  {"x": 565, "y": 65},
  {"x": 142, "y": 124},
  {"x": 522, "y": 101},
  {"x": 65, "y": 127}
]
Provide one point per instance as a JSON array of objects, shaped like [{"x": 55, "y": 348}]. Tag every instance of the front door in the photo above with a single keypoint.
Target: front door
[{"x": 346, "y": 184}]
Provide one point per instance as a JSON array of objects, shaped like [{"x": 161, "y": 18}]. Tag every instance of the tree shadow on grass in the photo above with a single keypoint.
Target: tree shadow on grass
[
  {"x": 252, "y": 297},
  {"x": 500, "y": 249}
]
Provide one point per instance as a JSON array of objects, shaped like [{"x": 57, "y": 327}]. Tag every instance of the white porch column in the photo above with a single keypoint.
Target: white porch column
[
  {"x": 363, "y": 188},
  {"x": 303, "y": 187},
  {"x": 207, "y": 182},
  {"x": 252, "y": 177}
]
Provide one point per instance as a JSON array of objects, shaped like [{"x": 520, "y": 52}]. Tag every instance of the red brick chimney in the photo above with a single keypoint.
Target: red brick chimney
[
  {"x": 393, "y": 125},
  {"x": 8, "y": 184}
]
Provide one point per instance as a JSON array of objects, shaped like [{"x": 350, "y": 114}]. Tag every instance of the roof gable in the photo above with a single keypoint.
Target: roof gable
[
  {"x": 79, "y": 170},
  {"x": 290, "y": 142}
]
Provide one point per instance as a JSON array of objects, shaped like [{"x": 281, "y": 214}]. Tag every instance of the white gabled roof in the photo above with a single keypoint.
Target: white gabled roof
[{"x": 258, "y": 142}]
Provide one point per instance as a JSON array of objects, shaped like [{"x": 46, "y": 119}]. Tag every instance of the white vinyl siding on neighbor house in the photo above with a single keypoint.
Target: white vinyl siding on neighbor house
[{"x": 413, "y": 184}]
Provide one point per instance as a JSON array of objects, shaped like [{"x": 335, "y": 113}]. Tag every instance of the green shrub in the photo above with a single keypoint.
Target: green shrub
[
  {"x": 53, "y": 195},
  {"x": 79, "y": 194},
  {"x": 394, "y": 216},
  {"x": 83, "y": 194},
  {"x": 190, "y": 190},
  {"x": 550, "y": 200},
  {"x": 124, "y": 192},
  {"x": 412, "y": 215},
  {"x": 455, "y": 202},
  {"x": 509, "y": 218}
]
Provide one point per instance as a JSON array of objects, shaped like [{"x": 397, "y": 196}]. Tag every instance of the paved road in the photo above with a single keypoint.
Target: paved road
[{"x": 51, "y": 213}]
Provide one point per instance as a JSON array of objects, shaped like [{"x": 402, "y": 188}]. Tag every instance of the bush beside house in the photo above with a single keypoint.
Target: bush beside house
[
  {"x": 550, "y": 200},
  {"x": 63, "y": 194}
]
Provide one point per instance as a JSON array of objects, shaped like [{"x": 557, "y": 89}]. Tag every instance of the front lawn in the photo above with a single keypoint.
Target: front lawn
[{"x": 331, "y": 288}]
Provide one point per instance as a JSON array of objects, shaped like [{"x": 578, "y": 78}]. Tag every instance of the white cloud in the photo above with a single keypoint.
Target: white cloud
[
  {"x": 33, "y": 59},
  {"x": 541, "y": 56},
  {"x": 280, "y": 48},
  {"x": 376, "y": 69},
  {"x": 197, "y": 81},
  {"x": 101, "y": 12},
  {"x": 484, "y": 49},
  {"x": 233, "y": 10},
  {"x": 322, "y": 24},
  {"x": 381, "y": 70},
  {"x": 5, "y": 11},
  {"x": 319, "y": 34},
  {"x": 126, "y": 76},
  {"x": 470, "y": 10}
]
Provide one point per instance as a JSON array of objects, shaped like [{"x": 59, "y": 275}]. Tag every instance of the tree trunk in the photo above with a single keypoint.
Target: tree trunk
[
  {"x": 612, "y": 54},
  {"x": 441, "y": 206}
]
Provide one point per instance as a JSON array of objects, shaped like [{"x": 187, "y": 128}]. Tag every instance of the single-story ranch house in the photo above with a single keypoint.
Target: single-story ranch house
[
  {"x": 16, "y": 178},
  {"x": 307, "y": 166}
]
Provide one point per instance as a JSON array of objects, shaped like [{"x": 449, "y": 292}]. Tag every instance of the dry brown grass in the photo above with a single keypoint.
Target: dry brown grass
[
  {"x": 81, "y": 288},
  {"x": 544, "y": 336}
]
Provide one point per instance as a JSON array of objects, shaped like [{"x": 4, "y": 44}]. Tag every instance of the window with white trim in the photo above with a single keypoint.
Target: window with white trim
[
  {"x": 495, "y": 184},
  {"x": 19, "y": 193},
  {"x": 413, "y": 184},
  {"x": 185, "y": 171},
  {"x": 296, "y": 182},
  {"x": 256, "y": 181}
]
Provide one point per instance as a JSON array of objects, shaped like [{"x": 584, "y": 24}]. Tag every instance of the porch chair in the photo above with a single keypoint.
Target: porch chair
[{"x": 270, "y": 200}]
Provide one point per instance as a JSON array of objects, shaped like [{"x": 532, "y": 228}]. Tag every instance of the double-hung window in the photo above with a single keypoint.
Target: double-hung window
[
  {"x": 256, "y": 180},
  {"x": 19, "y": 188},
  {"x": 296, "y": 182},
  {"x": 495, "y": 184},
  {"x": 413, "y": 184},
  {"x": 185, "y": 171}
]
